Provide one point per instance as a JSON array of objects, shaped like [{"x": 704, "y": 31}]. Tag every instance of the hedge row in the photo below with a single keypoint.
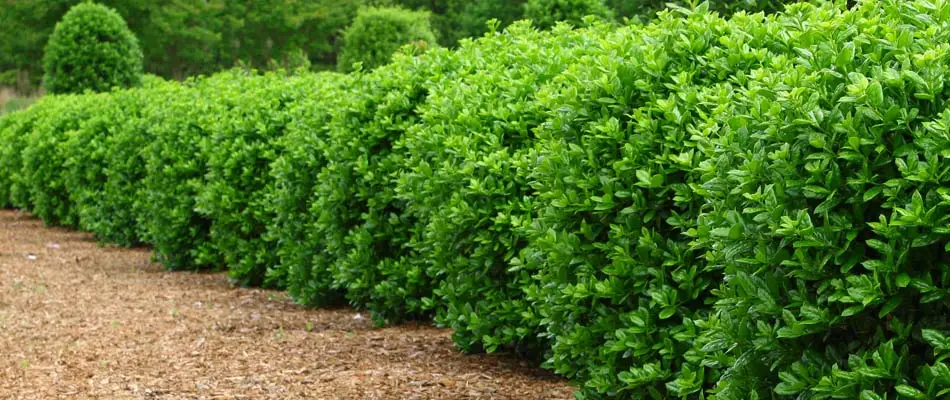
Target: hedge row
[{"x": 693, "y": 208}]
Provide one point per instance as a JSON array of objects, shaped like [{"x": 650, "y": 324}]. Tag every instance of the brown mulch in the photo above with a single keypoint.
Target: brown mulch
[{"x": 80, "y": 321}]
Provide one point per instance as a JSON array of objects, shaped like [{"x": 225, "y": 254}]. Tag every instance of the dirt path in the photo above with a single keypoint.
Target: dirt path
[{"x": 80, "y": 321}]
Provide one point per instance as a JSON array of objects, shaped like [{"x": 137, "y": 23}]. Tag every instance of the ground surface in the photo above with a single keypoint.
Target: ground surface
[{"x": 85, "y": 322}]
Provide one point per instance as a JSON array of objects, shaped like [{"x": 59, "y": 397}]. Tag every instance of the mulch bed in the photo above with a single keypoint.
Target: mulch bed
[{"x": 82, "y": 321}]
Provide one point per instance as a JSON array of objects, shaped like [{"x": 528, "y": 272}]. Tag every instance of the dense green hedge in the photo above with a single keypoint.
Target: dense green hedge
[{"x": 692, "y": 208}]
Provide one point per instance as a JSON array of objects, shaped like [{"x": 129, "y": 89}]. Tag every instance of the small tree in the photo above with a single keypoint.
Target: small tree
[
  {"x": 91, "y": 48},
  {"x": 377, "y": 33},
  {"x": 547, "y": 13}
]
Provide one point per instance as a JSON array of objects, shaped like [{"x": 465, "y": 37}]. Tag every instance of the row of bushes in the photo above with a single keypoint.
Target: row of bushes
[{"x": 693, "y": 208}]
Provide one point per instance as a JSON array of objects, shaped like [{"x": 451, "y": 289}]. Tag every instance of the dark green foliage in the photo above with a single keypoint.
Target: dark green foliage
[
  {"x": 44, "y": 157},
  {"x": 114, "y": 210},
  {"x": 238, "y": 193},
  {"x": 546, "y": 13},
  {"x": 695, "y": 208},
  {"x": 91, "y": 49},
  {"x": 301, "y": 266},
  {"x": 377, "y": 33},
  {"x": 463, "y": 185},
  {"x": 178, "y": 126},
  {"x": 366, "y": 228},
  {"x": 469, "y": 19},
  {"x": 619, "y": 285},
  {"x": 14, "y": 129}
]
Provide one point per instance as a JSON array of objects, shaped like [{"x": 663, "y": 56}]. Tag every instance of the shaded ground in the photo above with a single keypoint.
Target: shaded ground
[{"x": 81, "y": 321}]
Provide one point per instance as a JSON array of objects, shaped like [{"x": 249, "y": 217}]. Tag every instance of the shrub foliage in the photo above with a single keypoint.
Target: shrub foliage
[
  {"x": 378, "y": 32},
  {"x": 546, "y": 13},
  {"x": 91, "y": 48},
  {"x": 696, "y": 208}
]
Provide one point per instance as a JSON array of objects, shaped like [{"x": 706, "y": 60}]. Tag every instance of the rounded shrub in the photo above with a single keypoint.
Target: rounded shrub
[
  {"x": 91, "y": 48},
  {"x": 44, "y": 157},
  {"x": 113, "y": 208},
  {"x": 547, "y": 13},
  {"x": 239, "y": 191},
  {"x": 301, "y": 266},
  {"x": 464, "y": 188},
  {"x": 618, "y": 285},
  {"x": 13, "y": 132},
  {"x": 378, "y": 32},
  {"x": 364, "y": 228},
  {"x": 175, "y": 169}
]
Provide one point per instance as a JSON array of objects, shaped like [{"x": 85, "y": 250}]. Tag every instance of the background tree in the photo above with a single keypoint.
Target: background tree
[{"x": 546, "y": 13}]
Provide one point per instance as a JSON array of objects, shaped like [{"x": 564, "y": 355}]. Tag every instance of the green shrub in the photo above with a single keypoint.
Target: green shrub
[
  {"x": 302, "y": 266},
  {"x": 363, "y": 226},
  {"x": 377, "y": 33},
  {"x": 175, "y": 167},
  {"x": 106, "y": 167},
  {"x": 546, "y": 13},
  {"x": 618, "y": 284},
  {"x": 462, "y": 185},
  {"x": 826, "y": 211},
  {"x": 44, "y": 157},
  {"x": 91, "y": 49},
  {"x": 238, "y": 192},
  {"x": 14, "y": 129},
  {"x": 113, "y": 209}
]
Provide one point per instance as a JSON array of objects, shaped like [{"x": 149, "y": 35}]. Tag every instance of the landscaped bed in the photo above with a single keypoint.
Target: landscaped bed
[{"x": 81, "y": 321}]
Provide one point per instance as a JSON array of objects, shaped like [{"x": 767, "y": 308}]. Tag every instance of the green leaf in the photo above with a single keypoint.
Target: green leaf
[
  {"x": 903, "y": 280},
  {"x": 875, "y": 94},
  {"x": 890, "y": 306},
  {"x": 667, "y": 312},
  {"x": 910, "y": 391},
  {"x": 643, "y": 176},
  {"x": 869, "y": 395},
  {"x": 871, "y": 193}
]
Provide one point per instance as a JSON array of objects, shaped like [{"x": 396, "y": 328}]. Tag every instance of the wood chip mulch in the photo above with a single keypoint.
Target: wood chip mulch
[{"x": 80, "y": 321}]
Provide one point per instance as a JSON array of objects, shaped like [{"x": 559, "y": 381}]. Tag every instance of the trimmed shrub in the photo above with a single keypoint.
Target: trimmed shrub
[
  {"x": 238, "y": 191},
  {"x": 365, "y": 228},
  {"x": 826, "y": 210},
  {"x": 462, "y": 184},
  {"x": 302, "y": 266},
  {"x": 175, "y": 168},
  {"x": 91, "y": 48},
  {"x": 14, "y": 129},
  {"x": 619, "y": 287},
  {"x": 44, "y": 158},
  {"x": 115, "y": 210},
  {"x": 378, "y": 32},
  {"x": 546, "y": 13}
]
